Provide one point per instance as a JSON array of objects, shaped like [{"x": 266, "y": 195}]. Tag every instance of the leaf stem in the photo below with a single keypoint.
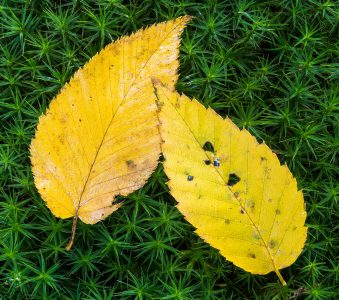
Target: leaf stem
[
  {"x": 74, "y": 226},
  {"x": 283, "y": 282}
]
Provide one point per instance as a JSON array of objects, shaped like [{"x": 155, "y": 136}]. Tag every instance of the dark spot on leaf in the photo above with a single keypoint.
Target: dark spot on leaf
[
  {"x": 262, "y": 158},
  {"x": 251, "y": 255},
  {"x": 250, "y": 204},
  {"x": 207, "y": 162},
  {"x": 160, "y": 104},
  {"x": 208, "y": 146},
  {"x": 242, "y": 211},
  {"x": 233, "y": 179},
  {"x": 294, "y": 228},
  {"x": 272, "y": 244},
  {"x": 130, "y": 164},
  {"x": 72, "y": 104},
  {"x": 190, "y": 177},
  {"x": 80, "y": 120},
  {"x": 227, "y": 221},
  {"x": 236, "y": 194},
  {"x": 277, "y": 211},
  {"x": 216, "y": 162}
]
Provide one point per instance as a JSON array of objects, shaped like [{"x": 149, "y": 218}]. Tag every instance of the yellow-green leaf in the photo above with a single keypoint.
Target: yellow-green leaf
[
  {"x": 230, "y": 187},
  {"x": 99, "y": 137}
]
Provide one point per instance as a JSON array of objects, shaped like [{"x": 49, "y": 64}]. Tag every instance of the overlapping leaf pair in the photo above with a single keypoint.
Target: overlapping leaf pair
[{"x": 103, "y": 134}]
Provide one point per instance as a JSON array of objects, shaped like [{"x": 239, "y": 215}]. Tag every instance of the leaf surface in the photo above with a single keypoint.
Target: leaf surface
[
  {"x": 99, "y": 137},
  {"x": 230, "y": 187}
]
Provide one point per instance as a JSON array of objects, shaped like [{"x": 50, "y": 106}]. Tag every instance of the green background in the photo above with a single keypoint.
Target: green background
[{"x": 271, "y": 66}]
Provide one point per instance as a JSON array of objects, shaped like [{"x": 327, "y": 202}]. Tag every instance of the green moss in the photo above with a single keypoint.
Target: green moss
[{"x": 271, "y": 66}]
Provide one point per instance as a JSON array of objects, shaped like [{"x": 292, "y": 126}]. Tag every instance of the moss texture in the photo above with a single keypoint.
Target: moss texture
[{"x": 271, "y": 66}]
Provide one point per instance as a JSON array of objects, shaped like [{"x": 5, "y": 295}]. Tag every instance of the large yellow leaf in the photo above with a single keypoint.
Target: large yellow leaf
[
  {"x": 99, "y": 137},
  {"x": 236, "y": 193}
]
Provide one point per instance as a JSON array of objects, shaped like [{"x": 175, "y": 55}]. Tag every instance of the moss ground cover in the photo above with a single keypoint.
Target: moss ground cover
[{"x": 271, "y": 66}]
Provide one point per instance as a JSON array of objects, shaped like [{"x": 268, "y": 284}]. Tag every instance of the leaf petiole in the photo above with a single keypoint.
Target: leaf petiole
[{"x": 74, "y": 226}]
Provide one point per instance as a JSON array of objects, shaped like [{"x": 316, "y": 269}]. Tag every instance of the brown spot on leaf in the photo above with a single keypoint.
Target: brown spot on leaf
[
  {"x": 207, "y": 162},
  {"x": 272, "y": 244},
  {"x": 130, "y": 164},
  {"x": 250, "y": 204},
  {"x": 227, "y": 221},
  {"x": 251, "y": 255},
  {"x": 277, "y": 211},
  {"x": 160, "y": 104}
]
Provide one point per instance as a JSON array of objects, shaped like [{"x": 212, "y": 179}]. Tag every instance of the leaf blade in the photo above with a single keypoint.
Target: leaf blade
[
  {"x": 249, "y": 220},
  {"x": 86, "y": 151}
]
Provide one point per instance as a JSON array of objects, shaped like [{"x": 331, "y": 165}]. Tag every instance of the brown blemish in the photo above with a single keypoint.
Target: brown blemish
[
  {"x": 160, "y": 104},
  {"x": 242, "y": 211},
  {"x": 277, "y": 211},
  {"x": 272, "y": 244},
  {"x": 250, "y": 204},
  {"x": 227, "y": 221},
  {"x": 207, "y": 162},
  {"x": 251, "y": 255},
  {"x": 263, "y": 158},
  {"x": 130, "y": 164}
]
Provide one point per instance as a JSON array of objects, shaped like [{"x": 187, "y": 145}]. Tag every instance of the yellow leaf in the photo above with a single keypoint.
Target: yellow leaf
[
  {"x": 99, "y": 137},
  {"x": 232, "y": 189}
]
